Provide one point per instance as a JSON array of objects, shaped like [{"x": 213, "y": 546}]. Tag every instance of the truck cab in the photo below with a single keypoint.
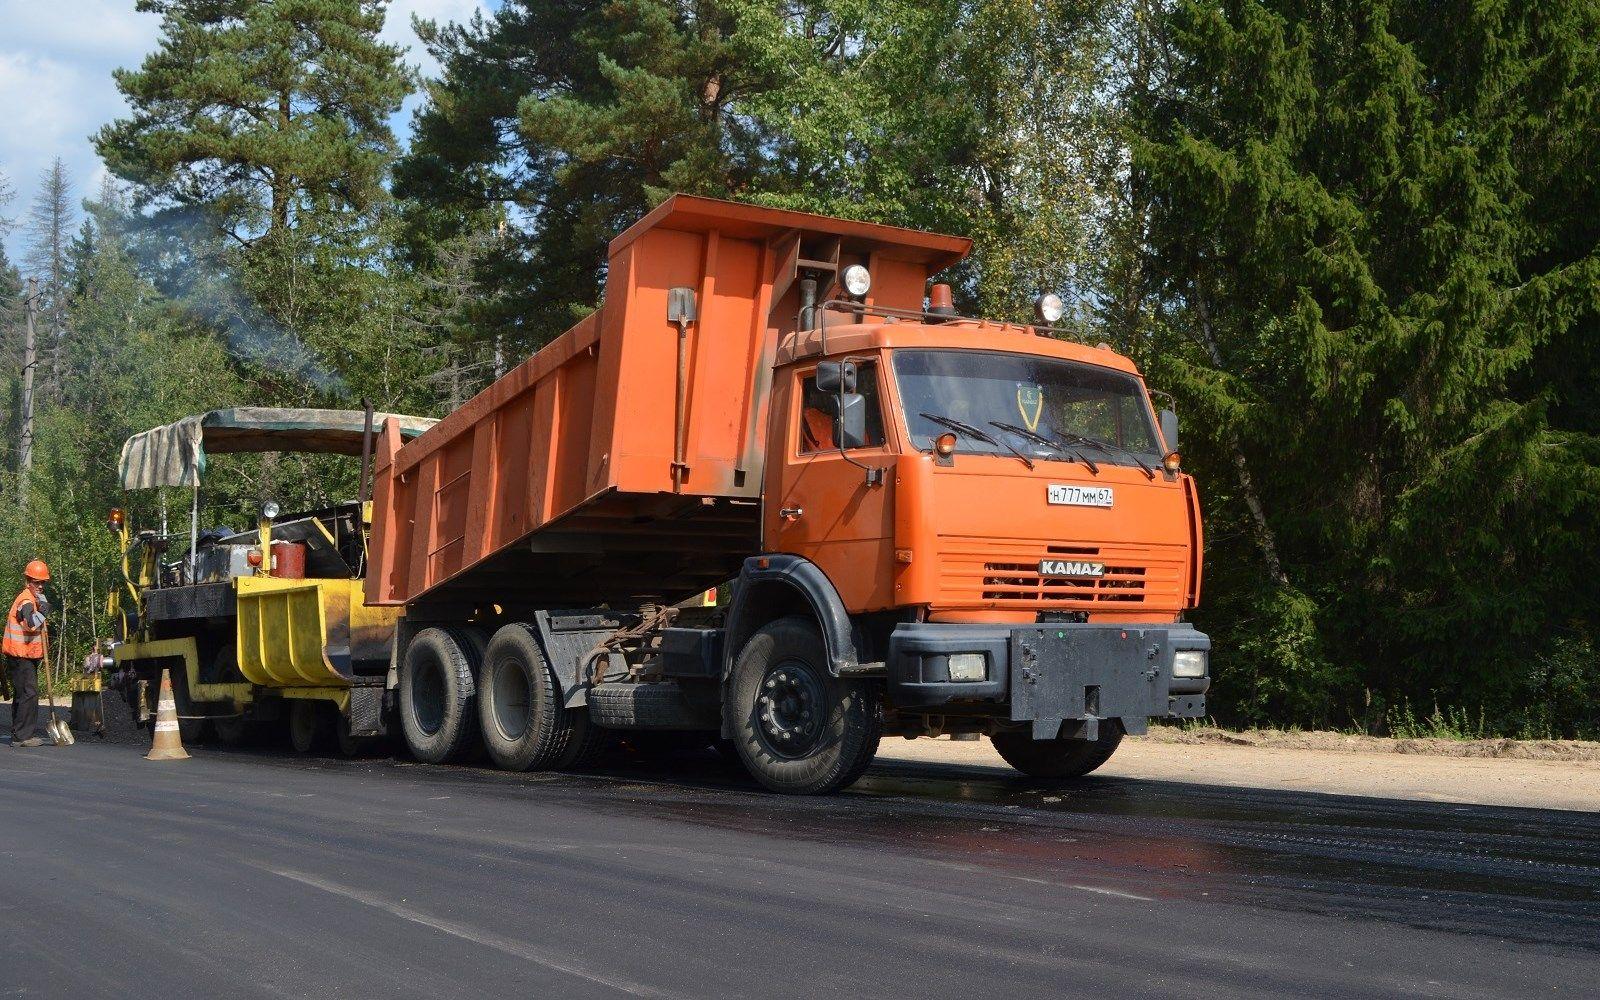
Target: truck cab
[{"x": 1003, "y": 518}]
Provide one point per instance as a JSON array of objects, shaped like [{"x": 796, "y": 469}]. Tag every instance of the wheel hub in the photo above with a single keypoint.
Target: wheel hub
[{"x": 790, "y": 710}]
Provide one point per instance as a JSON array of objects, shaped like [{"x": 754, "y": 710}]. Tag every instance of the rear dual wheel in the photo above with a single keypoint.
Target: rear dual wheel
[
  {"x": 438, "y": 695},
  {"x": 525, "y": 722}
]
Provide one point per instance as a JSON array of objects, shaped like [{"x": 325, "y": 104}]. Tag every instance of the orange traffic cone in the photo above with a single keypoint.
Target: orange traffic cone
[{"x": 168, "y": 745}]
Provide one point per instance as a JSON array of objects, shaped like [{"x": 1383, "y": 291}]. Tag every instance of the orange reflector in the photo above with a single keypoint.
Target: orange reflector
[
  {"x": 763, "y": 563},
  {"x": 945, "y": 444},
  {"x": 253, "y": 557},
  {"x": 1172, "y": 462}
]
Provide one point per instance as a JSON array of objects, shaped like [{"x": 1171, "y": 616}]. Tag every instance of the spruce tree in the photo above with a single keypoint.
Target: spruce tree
[
  {"x": 49, "y": 234},
  {"x": 1364, "y": 249}
]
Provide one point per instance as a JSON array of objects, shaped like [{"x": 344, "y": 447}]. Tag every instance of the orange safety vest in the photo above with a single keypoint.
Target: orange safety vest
[{"x": 20, "y": 640}]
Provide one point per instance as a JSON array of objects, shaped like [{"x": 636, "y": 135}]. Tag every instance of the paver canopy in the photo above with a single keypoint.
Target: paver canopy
[{"x": 175, "y": 454}]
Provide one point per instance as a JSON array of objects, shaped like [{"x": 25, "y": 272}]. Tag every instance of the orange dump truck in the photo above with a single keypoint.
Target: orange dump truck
[{"x": 918, "y": 523}]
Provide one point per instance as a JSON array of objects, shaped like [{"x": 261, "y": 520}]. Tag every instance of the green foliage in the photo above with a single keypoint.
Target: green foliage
[
  {"x": 130, "y": 363},
  {"x": 564, "y": 123},
  {"x": 1368, "y": 252},
  {"x": 259, "y": 143},
  {"x": 261, "y": 112}
]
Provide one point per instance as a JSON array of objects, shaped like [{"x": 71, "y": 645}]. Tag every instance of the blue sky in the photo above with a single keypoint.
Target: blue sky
[{"x": 56, "y": 58}]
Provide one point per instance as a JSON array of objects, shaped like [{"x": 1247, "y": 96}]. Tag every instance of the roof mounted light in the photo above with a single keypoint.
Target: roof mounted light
[
  {"x": 857, "y": 281},
  {"x": 269, "y": 511},
  {"x": 1049, "y": 308}
]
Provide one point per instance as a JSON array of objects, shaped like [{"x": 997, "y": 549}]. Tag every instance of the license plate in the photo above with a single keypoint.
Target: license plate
[
  {"x": 1071, "y": 567},
  {"x": 1079, "y": 496}
]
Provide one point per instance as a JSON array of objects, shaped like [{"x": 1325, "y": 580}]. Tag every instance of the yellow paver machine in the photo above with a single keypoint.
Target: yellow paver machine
[{"x": 263, "y": 625}]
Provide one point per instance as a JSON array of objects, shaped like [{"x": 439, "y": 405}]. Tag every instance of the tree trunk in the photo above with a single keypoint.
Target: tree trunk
[{"x": 281, "y": 179}]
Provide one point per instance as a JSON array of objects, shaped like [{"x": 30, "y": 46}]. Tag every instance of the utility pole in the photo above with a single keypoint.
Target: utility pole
[{"x": 25, "y": 447}]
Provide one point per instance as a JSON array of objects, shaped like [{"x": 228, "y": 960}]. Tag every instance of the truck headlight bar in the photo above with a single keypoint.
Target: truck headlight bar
[
  {"x": 857, "y": 280},
  {"x": 1190, "y": 663}
]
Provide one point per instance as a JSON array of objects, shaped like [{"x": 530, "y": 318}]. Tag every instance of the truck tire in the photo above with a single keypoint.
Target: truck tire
[
  {"x": 438, "y": 696},
  {"x": 525, "y": 724},
  {"x": 308, "y": 725},
  {"x": 1058, "y": 758},
  {"x": 661, "y": 706},
  {"x": 798, "y": 729},
  {"x": 588, "y": 742}
]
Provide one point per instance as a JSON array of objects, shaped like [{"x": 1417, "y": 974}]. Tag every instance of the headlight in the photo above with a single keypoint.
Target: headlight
[
  {"x": 1050, "y": 308},
  {"x": 269, "y": 511},
  {"x": 1189, "y": 663},
  {"x": 968, "y": 667},
  {"x": 857, "y": 280}
]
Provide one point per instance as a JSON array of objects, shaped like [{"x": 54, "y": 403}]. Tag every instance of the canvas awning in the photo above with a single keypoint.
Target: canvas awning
[{"x": 175, "y": 454}]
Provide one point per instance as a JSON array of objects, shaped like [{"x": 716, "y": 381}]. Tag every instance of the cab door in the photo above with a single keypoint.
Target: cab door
[{"x": 829, "y": 505}]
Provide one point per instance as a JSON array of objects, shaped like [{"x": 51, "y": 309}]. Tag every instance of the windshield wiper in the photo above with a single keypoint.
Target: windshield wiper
[
  {"x": 1110, "y": 449},
  {"x": 976, "y": 434},
  {"x": 1051, "y": 443}
]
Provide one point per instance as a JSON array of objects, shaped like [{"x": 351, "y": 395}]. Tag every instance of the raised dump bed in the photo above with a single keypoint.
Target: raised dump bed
[{"x": 626, "y": 457}]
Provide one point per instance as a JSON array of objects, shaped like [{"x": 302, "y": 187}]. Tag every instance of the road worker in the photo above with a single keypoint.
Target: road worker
[{"x": 23, "y": 647}]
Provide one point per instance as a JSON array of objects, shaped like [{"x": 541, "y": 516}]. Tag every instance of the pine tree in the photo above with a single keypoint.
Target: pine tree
[
  {"x": 263, "y": 112},
  {"x": 267, "y": 123},
  {"x": 578, "y": 117},
  {"x": 569, "y": 121}
]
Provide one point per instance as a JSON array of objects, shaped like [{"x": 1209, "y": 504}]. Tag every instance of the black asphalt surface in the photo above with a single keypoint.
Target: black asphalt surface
[{"x": 256, "y": 873}]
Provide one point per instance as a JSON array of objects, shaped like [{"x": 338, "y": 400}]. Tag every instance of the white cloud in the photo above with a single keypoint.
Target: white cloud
[
  {"x": 56, "y": 89},
  {"x": 108, "y": 29},
  {"x": 397, "y": 29}
]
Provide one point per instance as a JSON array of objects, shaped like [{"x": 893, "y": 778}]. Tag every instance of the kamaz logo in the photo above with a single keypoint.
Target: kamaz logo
[{"x": 1064, "y": 567}]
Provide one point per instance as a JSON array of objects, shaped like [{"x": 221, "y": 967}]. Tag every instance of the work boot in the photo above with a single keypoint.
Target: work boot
[{"x": 32, "y": 741}]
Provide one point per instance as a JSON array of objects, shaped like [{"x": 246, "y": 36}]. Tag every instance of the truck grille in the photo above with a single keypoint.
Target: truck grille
[{"x": 1006, "y": 574}]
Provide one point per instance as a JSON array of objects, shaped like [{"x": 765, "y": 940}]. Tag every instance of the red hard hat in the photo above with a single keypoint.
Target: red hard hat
[{"x": 37, "y": 570}]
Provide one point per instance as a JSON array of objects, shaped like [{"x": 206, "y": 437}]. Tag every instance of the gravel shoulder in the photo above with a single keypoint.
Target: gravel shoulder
[{"x": 1330, "y": 766}]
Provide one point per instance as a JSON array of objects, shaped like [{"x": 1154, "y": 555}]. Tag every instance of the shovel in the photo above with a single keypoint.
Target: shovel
[{"x": 60, "y": 732}]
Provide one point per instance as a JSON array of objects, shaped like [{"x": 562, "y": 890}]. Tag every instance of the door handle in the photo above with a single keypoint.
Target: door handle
[{"x": 791, "y": 513}]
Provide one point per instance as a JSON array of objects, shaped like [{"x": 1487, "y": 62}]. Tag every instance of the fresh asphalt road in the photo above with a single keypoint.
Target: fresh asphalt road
[{"x": 255, "y": 873}]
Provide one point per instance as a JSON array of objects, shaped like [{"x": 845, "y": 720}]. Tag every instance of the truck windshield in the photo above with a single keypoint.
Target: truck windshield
[{"x": 1059, "y": 400}]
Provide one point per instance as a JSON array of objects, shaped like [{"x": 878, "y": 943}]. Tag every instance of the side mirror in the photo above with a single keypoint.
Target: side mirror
[
  {"x": 836, "y": 376},
  {"x": 850, "y": 427},
  {"x": 1169, "y": 429}
]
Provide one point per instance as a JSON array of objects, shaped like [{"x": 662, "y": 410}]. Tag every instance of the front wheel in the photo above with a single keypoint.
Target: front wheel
[
  {"x": 1058, "y": 758},
  {"x": 797, "y": 728}
]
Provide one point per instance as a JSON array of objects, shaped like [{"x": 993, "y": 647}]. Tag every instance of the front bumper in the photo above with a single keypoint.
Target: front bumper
[{"x": 1060, "y": 678}]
